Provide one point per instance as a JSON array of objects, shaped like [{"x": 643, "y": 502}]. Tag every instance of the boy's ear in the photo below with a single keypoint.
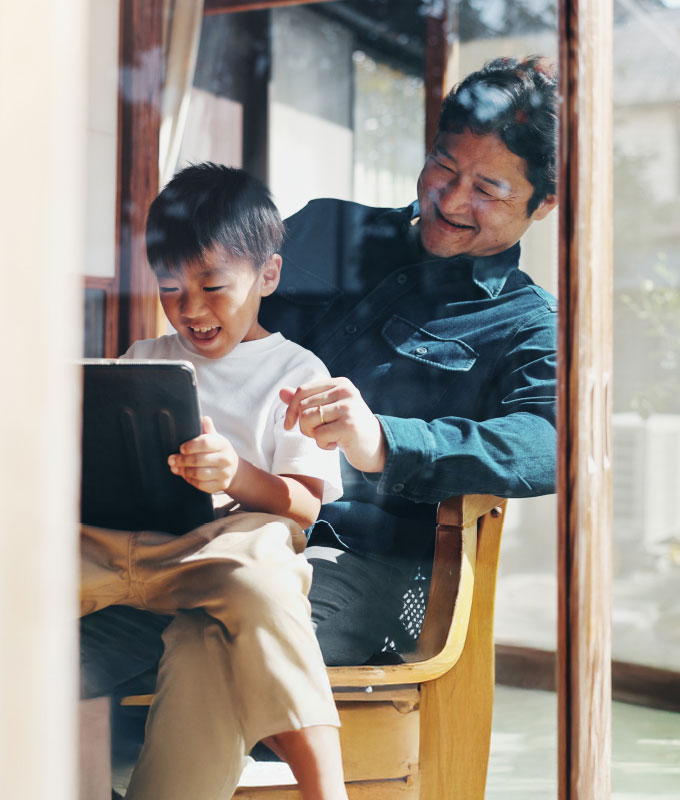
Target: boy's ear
[{"x": 270, "y": 275}]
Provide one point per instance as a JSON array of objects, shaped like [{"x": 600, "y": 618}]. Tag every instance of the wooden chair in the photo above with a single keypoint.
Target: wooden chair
[{"x": 422, "y": 729}]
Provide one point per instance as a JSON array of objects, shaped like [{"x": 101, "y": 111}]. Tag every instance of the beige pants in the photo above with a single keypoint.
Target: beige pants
[{"x": 241, "y": 661}]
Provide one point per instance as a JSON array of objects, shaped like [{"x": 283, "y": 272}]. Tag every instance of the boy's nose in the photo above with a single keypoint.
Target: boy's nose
[{"x": 191, "y": 305}]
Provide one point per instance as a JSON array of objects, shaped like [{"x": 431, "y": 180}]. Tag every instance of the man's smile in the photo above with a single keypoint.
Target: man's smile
[{"x": 458, "y": 225}]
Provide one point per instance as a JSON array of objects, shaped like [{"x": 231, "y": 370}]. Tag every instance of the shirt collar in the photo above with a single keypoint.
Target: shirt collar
[{"x": 488, "y": 272}]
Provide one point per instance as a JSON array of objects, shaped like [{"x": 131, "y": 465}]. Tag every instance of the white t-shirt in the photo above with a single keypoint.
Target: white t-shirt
[{"x": 241, "y": 393}]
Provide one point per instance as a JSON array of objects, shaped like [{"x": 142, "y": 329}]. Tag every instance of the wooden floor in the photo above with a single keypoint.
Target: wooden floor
[{"x": 646, "y": 751}]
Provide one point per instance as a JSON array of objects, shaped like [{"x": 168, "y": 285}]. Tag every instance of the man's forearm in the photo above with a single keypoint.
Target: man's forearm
[{"x": 511, "y": 456}]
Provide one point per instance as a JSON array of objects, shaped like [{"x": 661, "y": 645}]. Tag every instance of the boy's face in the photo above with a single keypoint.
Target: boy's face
[{"x": 214, "y": 303}]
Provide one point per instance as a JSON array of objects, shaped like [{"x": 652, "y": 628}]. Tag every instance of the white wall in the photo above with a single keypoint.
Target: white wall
[{"x": 42, "y": 138}]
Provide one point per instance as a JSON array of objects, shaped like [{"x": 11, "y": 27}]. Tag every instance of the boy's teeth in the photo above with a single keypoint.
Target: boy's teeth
[{"x": 202, "y": 330}]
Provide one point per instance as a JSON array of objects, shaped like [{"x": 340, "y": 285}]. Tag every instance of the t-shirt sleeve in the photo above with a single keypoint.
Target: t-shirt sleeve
[{"x": 297, "y": 454}]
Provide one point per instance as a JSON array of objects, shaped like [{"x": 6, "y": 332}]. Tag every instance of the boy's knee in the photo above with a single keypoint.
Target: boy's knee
[
  {"x": 258, "y": 586},
  {"x": 256, "y": 593}
]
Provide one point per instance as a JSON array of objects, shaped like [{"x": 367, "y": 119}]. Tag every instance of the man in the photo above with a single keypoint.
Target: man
[
  {"x": 442, "y": 357},
  {"x": 444, "y": 351}
]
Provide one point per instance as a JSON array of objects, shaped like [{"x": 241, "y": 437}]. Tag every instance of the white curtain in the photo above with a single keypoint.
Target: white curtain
[{"x": 181, "y": 35}]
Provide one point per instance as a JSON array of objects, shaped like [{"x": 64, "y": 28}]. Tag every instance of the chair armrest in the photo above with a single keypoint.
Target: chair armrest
[
  {"x": 460, "y": 521},
  {"x": 465, "y": 509}
]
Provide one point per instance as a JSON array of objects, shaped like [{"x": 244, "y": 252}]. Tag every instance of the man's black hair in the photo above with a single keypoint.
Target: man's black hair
[
  {"x": 208, "y": 205},
  {"x": 517, "y": 100}
]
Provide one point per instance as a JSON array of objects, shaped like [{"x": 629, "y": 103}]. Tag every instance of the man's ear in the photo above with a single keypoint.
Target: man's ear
[
  {"x": 545, "y": 207},
  {"x": 270, "y": 275}
]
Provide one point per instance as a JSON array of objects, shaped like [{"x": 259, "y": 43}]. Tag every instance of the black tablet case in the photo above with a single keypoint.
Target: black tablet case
[{"x": 135, "y": 414}]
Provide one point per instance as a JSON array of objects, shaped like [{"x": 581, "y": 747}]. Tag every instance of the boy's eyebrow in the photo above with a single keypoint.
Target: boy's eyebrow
[
  {"x": 502, "y": 185},
  {"x": 210, "y": 272}
]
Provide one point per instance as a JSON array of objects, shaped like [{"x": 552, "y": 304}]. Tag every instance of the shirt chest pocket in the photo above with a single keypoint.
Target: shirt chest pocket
[
  {"x": 425, "y": 371},
  {"x": 415, "y": 343}
]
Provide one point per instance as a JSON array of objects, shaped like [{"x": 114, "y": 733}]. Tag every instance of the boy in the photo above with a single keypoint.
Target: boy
[{"x": 234, "y": 585}]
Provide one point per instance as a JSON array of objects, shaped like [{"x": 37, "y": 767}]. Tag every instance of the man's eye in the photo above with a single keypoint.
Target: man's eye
[
  {"x": 441, "y": 164},
  {"x": 483, "y": 191}
]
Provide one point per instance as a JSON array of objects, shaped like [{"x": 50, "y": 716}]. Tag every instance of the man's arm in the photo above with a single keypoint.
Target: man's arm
[
  {"x": 210, "y": 463},
  {"x": 512, "y": 453}
]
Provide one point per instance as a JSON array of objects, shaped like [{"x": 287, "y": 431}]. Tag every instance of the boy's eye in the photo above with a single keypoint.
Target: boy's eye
[
  {"x": 212, "y": 288},
  {"x": 167, "y": 289}
]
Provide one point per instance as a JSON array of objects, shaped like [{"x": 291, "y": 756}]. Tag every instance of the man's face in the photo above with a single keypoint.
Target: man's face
[
  {"x": 473, "y": 195},
  {"x": 214, "y": 304}
]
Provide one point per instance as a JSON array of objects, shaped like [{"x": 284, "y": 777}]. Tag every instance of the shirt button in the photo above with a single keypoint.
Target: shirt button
[
  {"x": 350, "y": 328},
  {"x": 421, "y": 351},
  {"x": 401, "y": 279},
  {"x": 398, "y": 487}
]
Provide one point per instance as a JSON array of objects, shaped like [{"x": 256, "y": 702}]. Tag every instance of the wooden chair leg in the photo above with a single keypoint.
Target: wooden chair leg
[{"x": 456, "y": 709}]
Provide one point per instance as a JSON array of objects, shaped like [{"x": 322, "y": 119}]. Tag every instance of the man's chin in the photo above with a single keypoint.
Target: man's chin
[{"x": 442, "y": 247}]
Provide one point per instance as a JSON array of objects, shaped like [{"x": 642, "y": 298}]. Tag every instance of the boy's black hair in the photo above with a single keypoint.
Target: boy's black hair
[
  {"x": 517, "y": 100},
  {"x": 208, "y": 205}
]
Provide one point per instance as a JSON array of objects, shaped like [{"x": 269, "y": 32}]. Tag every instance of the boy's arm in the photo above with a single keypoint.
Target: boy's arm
[
  {"x": 297, "y": 497},
  {"x": 210, "y": 463}
]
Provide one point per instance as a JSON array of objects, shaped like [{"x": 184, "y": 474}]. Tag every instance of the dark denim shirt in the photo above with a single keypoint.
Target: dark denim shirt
[{"x": 455, "y": 356}]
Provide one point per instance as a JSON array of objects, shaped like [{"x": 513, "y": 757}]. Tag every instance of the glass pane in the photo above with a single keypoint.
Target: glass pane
[
  {"x": 646, "y": 419},
  {"x": 330, "y": 100},
  {"x": 101, "y": 139},
  {"x": 95, "y": 323}
]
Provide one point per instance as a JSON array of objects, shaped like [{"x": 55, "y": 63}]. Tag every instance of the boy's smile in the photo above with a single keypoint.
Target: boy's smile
[
  {"x": 214, "y": 304},
  {"x": 205, "y": 334}
]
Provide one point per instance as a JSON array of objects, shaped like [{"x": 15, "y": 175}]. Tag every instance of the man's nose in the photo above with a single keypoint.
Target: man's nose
[{"x": 454, "y": 195}]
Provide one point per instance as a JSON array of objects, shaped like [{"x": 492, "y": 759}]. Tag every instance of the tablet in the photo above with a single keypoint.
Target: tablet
[{"x": 135, "y": 414}]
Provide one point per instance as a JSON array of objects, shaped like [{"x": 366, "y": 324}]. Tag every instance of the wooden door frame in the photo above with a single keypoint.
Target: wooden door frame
[
  {"x": 584, "y": 404},
  {"x": 139, "y": 119}
]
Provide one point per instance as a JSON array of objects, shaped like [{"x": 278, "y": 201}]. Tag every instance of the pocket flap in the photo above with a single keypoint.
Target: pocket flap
[{"x": 413, "y": 342}]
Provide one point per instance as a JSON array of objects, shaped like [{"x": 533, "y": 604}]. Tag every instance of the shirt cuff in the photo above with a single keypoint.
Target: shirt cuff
[{"x": 409, "y": 449}]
